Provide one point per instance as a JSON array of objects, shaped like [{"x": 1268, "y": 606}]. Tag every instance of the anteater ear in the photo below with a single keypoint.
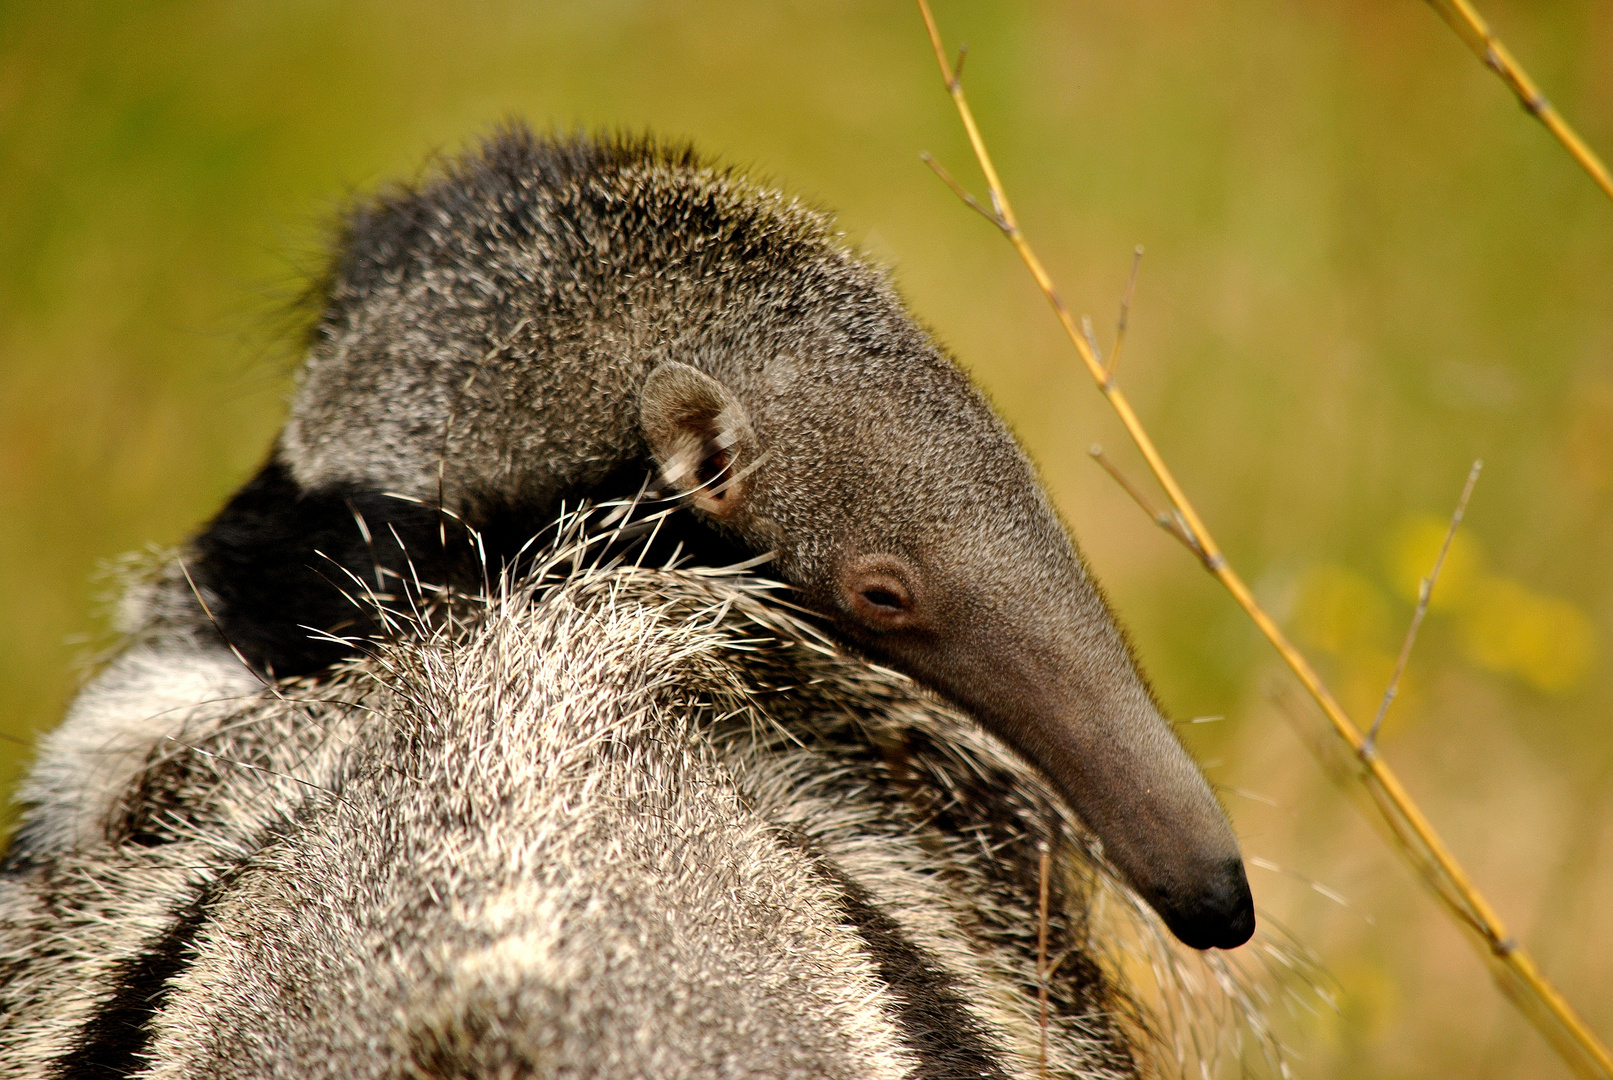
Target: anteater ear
[{"x": 699, "y": 435}]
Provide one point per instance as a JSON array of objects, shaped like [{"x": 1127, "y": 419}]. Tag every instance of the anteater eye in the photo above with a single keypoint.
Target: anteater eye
[
  {"x": 884, "y": 598},
  {"x": 877, "y": 593},
  {"x": 880, "y": 601}
]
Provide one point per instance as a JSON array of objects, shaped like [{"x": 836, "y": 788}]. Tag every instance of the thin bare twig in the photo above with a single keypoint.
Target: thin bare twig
[
  {"x": 1425, "y": 591},
  {"x": 961, "y": 192},
  {"x": 1125, "y": 315},
  {"x": 1472, "y": 28},
  {"x": 1168, "y": 520},
  {"x": 1546, "y": 1009},
  {"x": 1092, "y": 338}
]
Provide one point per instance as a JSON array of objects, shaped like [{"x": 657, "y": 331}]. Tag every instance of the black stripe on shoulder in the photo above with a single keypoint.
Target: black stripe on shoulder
[
  {"x": 299, "y": 578},
  {"x": 292, "y": 571},
  {"x": 937, "y": 1025},
  {"x": 111, "y": 1045}
]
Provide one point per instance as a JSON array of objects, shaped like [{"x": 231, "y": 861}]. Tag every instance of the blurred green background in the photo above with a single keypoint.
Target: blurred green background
[{"x": 1366, "y": 266}]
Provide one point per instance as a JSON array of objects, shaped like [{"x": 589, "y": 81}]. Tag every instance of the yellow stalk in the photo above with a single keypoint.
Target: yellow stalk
[
  {"x": 1537, "y": 998},
  {"x": 1472, "y": 28}
]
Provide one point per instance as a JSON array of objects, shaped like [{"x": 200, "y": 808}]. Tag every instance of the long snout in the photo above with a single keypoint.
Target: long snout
[
  {"x": 1083, "y": 716},
  {"x": 1124, "y": 772}
]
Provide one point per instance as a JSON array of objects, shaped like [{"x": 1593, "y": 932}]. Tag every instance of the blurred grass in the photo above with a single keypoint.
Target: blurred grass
[{"x": 1365, "y": 268}]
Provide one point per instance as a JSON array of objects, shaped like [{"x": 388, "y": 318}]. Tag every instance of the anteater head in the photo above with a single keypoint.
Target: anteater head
[
  {"x": 900, "y": 507},
  {"x": 545, "y": 315}
]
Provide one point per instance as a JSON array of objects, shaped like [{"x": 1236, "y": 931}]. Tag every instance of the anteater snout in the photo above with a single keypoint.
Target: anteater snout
[{"x": 1219, "y": 913}]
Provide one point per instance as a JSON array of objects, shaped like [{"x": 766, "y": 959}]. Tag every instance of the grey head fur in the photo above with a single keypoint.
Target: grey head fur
[
  {"x": 608, "y": 822},
  {"x": 542, "y": 318}
]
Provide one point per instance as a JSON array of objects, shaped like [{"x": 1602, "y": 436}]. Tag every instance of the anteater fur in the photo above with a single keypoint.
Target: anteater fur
[
  {"x": 550, "y": 319},
  {"x": 605, "y": 822}
]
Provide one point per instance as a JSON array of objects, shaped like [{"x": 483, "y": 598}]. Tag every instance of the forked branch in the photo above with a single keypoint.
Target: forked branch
[{"x": 1420, "y": 843}]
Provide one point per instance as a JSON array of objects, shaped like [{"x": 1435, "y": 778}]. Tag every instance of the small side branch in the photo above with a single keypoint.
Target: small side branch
[
  {"x": 962, "y": 193},
  {"x": 1092, "y": 343},
  {"x": 1169, "y": 520},
  {"x": 1424, "y": 592},
  {"x": 1125, "y": 317}
]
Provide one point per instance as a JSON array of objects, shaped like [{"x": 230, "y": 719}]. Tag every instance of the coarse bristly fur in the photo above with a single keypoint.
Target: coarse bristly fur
[
  {"x": 404, "y": 771},
  {"x": 603, "y": 821},
  {"x": 545, "y": 319}
]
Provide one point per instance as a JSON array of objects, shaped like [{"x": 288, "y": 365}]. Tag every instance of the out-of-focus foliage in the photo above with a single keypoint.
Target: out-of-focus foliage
[{"x": 1365, "y": 268}]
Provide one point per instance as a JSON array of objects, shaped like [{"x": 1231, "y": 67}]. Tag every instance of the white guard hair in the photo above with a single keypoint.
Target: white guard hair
[{"x": 610, "y": 821}]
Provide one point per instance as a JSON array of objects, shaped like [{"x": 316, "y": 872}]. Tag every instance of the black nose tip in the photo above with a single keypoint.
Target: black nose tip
[{"x": 1220, "y": 914}]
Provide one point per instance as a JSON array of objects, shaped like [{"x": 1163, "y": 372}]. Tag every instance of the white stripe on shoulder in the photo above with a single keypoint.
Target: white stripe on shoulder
[{"x": 149, "y": 694}]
